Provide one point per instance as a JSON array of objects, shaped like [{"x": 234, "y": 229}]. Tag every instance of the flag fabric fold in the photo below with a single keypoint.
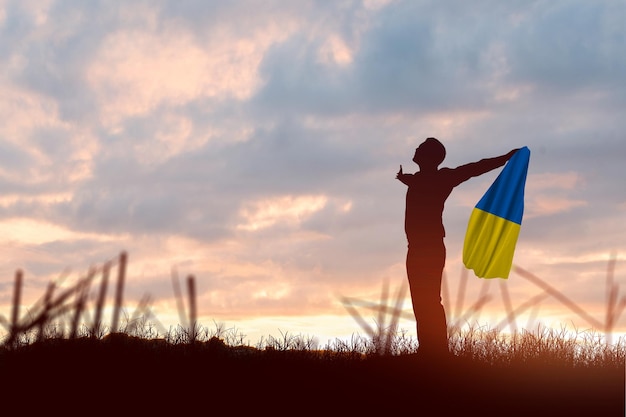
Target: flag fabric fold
[{"x": 495, "y": 222}]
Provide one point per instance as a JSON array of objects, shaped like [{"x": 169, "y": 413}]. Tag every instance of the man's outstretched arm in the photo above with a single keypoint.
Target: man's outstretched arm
[
  {"x": 404, "y": 178},
  {"x": 474, "y": 169}
]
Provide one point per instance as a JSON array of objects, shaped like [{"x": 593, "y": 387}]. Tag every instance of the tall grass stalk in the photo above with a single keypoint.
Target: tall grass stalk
[{"x": 119, "y": 291}]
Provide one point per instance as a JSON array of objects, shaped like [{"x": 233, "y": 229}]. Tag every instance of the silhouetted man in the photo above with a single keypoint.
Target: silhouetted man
[{"x": 428, "y": 190}]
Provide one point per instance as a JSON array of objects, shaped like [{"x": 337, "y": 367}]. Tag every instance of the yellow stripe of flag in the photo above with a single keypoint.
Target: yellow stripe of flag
[{"x": 495, "y": 222}]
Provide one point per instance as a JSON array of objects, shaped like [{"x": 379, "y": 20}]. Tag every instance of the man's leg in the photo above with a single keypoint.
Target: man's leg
[{"x": 425, "y": 268}]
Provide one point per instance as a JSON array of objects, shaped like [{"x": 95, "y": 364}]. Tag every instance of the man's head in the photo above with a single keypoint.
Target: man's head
[{"x": 429, "y": 154}]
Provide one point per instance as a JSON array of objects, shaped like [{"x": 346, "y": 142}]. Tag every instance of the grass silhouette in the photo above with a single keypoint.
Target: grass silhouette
[{"x": 63, "y": 355}]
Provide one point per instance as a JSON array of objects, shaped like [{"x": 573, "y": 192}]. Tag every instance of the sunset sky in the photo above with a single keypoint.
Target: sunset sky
[{"x": 254, "y": 144}]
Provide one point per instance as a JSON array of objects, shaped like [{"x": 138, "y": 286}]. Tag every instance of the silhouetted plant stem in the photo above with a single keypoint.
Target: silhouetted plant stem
[
  {"x": 191, "y": 288},
  {"x": 100, "y": 301},
  {"x": 119, "y": 291},
  {"x": 46, "y": 309},
  {"x": 511, "y": 316},
  {"x": 559, "y": 296},
  {"x": 179, "y": 298},
  {"x": 81, "y": 296},
  {"x": 461, "y": 293},
  {"x": 15, "y": 313},
  {"x": 612, "y": 289},
  {"x": 534, "y": 301}
]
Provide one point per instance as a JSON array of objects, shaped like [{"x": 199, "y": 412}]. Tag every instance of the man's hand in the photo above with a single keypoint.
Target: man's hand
[
  {"x": 399, "y": 173},
  {"x": 510, "y": 154}
]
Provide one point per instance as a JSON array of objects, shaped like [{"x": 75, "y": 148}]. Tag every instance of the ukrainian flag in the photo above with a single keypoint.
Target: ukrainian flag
[{"x": 495, "y": 222}]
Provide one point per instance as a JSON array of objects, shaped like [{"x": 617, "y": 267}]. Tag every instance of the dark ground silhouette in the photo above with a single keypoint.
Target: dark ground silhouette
[{"x": 132, "y": 376}]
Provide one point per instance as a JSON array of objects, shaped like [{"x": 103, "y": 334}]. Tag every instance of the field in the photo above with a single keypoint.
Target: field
[{"x": 55, "y": 360}]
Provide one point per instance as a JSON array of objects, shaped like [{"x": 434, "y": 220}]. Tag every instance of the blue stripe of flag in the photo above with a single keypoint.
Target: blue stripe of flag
[{"x": 505, "y": 197}]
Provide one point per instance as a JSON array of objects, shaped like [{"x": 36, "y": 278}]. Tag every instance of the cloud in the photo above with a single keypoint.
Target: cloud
[
  {"x": 548, "y": 205},
  {"x": 136, "y": 71},
  {"x": 547, "y": 193},
  {"x": 408, "y": 57},
  {"x": 284, "y": 210},
  {"x": 568, "y": 46},
  {"x": 33, "y": 232}
]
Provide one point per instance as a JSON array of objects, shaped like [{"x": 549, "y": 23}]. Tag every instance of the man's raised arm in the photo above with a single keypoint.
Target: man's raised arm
[{"x": 474, "y": 169}]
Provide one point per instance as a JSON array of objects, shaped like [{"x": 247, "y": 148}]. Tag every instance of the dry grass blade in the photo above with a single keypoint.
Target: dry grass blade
[
  {"x": 534, "y": 301},
  {"x": 611, "y": 302},
  {"x": 119, "y": 291},
  {"x": 52, "y": 308},
  {"x": 506, "y": 299},
  {"x": 96, "y": 329},
  {"x": 46, "y": 302},
  {"x": 141, "y": 311},
  {"x": 179, "y": 298},
  {"x": 483, "y": 298},
  {"x": 81, "y": 297},
  {"x": 620, "y": 307},
  {"x": 461, "y": 293},
  {"x": 15, "y": 312},
  {"x": 347, "y": 303},
  {"x": 475, "y": 308},
  {"x": 534, "y": 312},
  {"x": 384, "y": 294},
  {"x": 395, "y": 318},
  {"x": 370, "y": 305},
  {"x": 382, "y": 338},
  {"x": 559, "y": 296},
  {"x": 191, "y": 289}
]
